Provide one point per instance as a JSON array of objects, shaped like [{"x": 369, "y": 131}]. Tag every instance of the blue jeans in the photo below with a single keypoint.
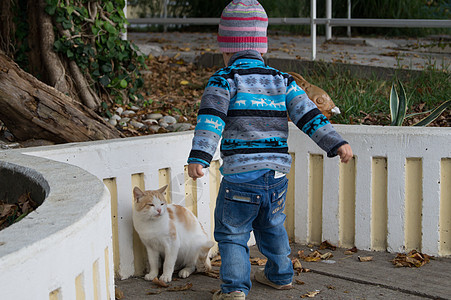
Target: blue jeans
[{"x": 240, "y": 208}]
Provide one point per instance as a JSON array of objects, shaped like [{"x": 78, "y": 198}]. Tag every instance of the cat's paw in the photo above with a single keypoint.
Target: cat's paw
[
  {"x": 184, "y": 273},
  {"x": 151, "y": 276},
  {"x": 166, "y": 278}
]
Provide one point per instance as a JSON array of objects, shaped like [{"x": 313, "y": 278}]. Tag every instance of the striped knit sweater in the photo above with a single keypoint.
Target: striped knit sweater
[{"x": 246, "y": 105}]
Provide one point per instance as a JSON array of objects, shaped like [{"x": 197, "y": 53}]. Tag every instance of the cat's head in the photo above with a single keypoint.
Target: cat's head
[{"x": 151, "y": 203}]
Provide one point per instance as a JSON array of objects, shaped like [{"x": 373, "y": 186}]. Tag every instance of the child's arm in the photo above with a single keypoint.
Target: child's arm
[
  {"x": 210, "y": 125},
  {"x": 307, "y": 117}
]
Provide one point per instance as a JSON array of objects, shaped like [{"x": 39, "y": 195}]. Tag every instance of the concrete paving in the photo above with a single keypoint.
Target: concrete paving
[
  {"x": 340, "y": 277},
  {"x": 400, "y": 53}
]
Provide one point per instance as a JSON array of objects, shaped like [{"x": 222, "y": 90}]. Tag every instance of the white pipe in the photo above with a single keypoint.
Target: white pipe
[
  {"x": 349, "y": 17},
  {"x": 165, "y": 14},
  {"x": 313, "y": 27},
  {"x": 124, "y": 35},
  {"x": 328, "y": 17}
]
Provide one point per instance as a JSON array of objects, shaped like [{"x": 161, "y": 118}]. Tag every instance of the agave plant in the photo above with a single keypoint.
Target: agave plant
[{"x": 398, "y": 108}]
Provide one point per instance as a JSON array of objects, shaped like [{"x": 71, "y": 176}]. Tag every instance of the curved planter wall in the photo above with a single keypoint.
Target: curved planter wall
[{"x": 63, "y": 249}]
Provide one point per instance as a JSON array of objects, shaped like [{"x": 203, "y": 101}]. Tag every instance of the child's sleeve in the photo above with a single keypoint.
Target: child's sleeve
[
  {"x": 307, "y": 117},
  {"x": 210, "y": 120}
]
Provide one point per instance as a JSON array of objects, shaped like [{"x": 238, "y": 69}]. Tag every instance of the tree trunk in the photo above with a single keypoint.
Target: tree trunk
[{"x": 31, "y": 109}]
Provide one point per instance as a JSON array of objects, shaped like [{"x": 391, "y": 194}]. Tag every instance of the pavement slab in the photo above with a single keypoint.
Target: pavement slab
[
  {"x": 345, "y": 278},
  {"x": 398, "y": 53}
]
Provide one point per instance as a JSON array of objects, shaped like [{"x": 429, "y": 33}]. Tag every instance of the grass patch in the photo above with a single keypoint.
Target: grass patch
[{"x": 366, "y": 100}]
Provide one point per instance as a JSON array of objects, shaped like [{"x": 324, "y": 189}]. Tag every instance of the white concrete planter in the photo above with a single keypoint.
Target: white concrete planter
[{"x": 63, "y": 249}]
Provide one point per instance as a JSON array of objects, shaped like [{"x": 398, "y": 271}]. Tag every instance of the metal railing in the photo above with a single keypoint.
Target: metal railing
[{"x": 313, "y": 21}]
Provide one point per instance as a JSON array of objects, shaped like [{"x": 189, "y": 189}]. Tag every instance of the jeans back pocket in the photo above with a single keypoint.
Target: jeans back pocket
[
  {"x": 278, "y": 198},
  {"x": 240, "y": 208}
]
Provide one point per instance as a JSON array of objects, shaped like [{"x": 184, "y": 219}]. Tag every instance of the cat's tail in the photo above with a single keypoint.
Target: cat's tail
[{"x": 206, "y": 252}]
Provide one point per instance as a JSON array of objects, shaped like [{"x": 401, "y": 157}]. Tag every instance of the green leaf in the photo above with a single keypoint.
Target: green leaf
[
  {"x": 58, "y": 46},
  {"x": 434, "y": 114},
  {"x": 402, "y": 107},
  {"x": 121, "y": 3},
  {"x": 123, "y": 83},
  {"x": 110, "y": 28},
  {"x": 104, "y": 80},
  {"x": 70, "y": 9},
  {"x": 394, "y": 104},
  {"x": 67, "y": 24},
  {"x": 50, "y": 10},
  {"x": 107, "y": 68},
  {"x": 109, "y": 7},
  {"x": 110, "y": 44},
  {"x": 99, "y": 23}
]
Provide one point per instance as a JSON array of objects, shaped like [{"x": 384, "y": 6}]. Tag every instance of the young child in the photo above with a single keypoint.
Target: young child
[{"x": 245, "y": 107}]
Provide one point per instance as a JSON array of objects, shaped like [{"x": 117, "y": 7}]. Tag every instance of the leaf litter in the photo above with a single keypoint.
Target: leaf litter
[
  {"x": 411, "y": 259},
  {"x": 11, "y": 213}
]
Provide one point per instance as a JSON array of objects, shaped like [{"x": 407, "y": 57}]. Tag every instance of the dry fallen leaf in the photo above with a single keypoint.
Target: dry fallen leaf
[
  {"x": 258, "y": 261},
  {"x": 154, "y": 292},
  {"x": 310, "y": 294},
  {"x": 185, "y": 287},
  {"x": 212, "y": 274},
  {"x": 297, "y": 264},
  {"x": 159, "y": 283},
  {"x": 351, "y": 251},
  {"x": 315, "y": 256},
  {"x": 300, "y": 282},
  {"x": 327, "y": 245},
  {"x": 365, "y": 258},
  {"x": 326, "y": 256},
  {"x": 118, "y": 294}
]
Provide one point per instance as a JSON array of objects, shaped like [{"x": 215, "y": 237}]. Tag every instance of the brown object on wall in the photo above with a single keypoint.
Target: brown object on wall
[{"x": 317, "y": 95}]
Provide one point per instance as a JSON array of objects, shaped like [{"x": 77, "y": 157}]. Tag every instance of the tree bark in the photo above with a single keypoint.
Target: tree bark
[
  {"x": 5, "y": 27},
  {"x": 53, "y": 65},
  {"x": 31, "y": 109}
]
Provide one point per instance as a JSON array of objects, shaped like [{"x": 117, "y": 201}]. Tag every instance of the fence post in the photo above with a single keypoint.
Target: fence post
[
  {"x": 313, "y": 27},
  {"x": 328, "y": 17},
  {"x": 349, "y": 17},
  {"x": 165, "y": 14},
  {"x": 124, "y": 35}
]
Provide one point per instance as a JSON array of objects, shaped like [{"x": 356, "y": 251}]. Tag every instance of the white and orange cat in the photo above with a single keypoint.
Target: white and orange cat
[{"x": 172, "y": 233}]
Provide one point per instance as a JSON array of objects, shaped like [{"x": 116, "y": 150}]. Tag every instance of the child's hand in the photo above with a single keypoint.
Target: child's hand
[
  {"x": 345, "y": 153},
  {"x": 195, "y": 171}
]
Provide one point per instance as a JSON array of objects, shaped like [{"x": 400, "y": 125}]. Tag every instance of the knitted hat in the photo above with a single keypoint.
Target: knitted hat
[{"x": 243, "y": 26}]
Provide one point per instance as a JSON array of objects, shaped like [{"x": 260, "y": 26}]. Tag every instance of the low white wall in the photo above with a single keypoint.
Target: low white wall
[
  {"x": 63, "y": 249},
  {"x": 427, "y": 148},
  {"x": 357, "y": 204}
]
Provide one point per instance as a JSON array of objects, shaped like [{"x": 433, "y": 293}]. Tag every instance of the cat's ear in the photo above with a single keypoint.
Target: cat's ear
[
  {"x": 161, "y": 190},
  {"x": 137, "y": 193}
]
